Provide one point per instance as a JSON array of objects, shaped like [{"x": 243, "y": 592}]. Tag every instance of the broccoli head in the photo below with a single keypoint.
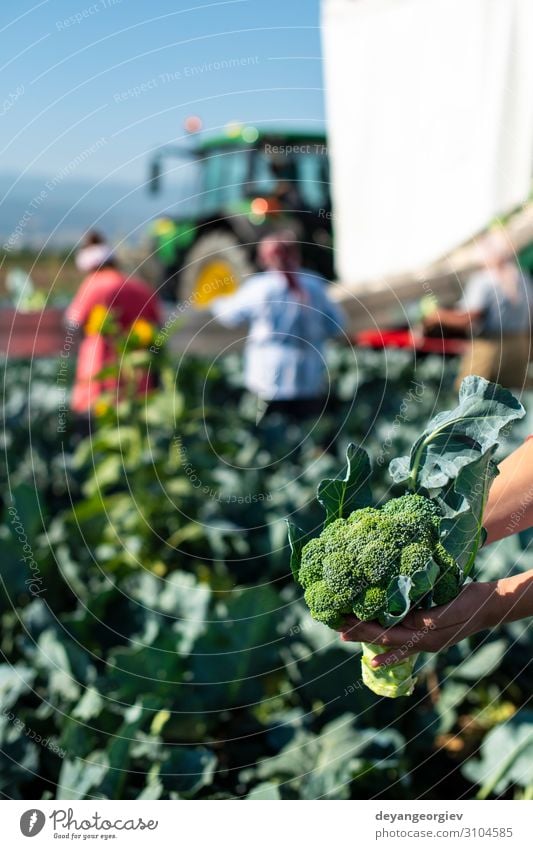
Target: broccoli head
[
  {"x": 350, "y": 566},
  {"x": 332, "y": 530},
  {"x": 360, "y": 552}
]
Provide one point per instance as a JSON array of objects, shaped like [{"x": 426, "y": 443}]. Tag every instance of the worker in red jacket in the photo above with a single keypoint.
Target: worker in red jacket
[{"x": 107, "y": 291}]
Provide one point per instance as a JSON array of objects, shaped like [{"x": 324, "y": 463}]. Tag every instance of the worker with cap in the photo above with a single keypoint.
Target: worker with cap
[{"x": 108, "y": 292}]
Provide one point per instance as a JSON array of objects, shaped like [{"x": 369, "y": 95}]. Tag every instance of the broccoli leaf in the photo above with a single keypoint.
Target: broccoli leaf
[
  {"x": 506, "y": 757},
  {"x": 423, "y": 581},
  {"x": 463, "y": 505},
  {"x": 399, "y": 600},
  {"x": 452, "y": 462},
  {"x": 297, "y": 540},
  {"x": 341, "y": 496},
  {"x": 456, "y": 438},
  {"x": 404, "y": 590}
]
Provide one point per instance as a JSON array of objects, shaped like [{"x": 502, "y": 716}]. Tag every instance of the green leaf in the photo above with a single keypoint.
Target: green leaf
[
  {"x": 297, "y": 540},
  {"x": 79, "y": 776},
  {"x": 481, "y": 663},
  {"x": 506, "y": 757},
  {"x": 423, "y": 581},
  {"x": 458, "y": 437},
  {"x": 464, "y": 504},
  {"x": 153, "y": 790},
  {"x": 452, "y": 461},
  {"x": 90, "y": 705},
  {"x": 187, "y": 769},
  {"x": 28, "y": 517},
  {"x": 265, "y": 790},
  {"x": 322, "y": 766},
  {"x": 108, "y": 472},
  {"x": 405, "y": 590},
  {"x": 53, "y": 658},
  {"x": 399, "y": 599},
  {"x": 118, "y": 754},
  {"x": 341, "y": 496},
  {"x": 14, "y": 682}
]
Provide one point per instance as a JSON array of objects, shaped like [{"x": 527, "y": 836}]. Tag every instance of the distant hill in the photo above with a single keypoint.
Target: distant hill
[{"x": 37, "y": 208}]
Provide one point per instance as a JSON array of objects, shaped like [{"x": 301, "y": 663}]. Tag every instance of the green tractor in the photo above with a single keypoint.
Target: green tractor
[{"x": 247, "y": 182}]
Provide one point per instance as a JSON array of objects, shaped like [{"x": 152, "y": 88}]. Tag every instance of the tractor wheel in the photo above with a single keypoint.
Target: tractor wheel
[{"x": 216, "y": 265}]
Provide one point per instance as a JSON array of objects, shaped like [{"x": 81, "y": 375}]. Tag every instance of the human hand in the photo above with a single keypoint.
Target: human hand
[{"x": 478, "y": 606}]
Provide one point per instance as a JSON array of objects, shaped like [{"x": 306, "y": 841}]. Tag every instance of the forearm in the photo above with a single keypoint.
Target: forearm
[
  {"x": 457, "y": 320},
  {"x": 515, "y": 597},
  {"x": 509, "y": 508}
]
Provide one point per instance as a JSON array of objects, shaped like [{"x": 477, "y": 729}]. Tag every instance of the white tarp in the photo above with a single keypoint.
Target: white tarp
[{"x": 430, "y": 123}]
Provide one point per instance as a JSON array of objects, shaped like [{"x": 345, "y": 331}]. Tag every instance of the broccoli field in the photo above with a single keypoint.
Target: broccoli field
[{"x": 154, "y": 643}]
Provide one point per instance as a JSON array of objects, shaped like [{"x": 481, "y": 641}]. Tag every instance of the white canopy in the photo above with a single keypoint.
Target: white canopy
[{"x": 430, "y": 123}]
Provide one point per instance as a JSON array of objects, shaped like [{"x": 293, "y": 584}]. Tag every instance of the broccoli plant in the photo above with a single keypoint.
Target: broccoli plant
[{"x": 417, "y": 550}]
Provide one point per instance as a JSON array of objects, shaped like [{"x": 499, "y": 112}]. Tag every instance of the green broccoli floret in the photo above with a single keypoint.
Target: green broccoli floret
[
  {"x": 363, "y": 513},
  {"x": 443, "y": 558},
  {"x": 450, "y": 579},
  {"x": 341, "y": 576},
  {"x": 335, "y": 537},
  {"x": 418, "y": 505},
  {"x": 361, "y": 551},
  {"x": 364, "y": 525},
  {"x": 330, "y": 534},
  {"x": 416, "y": 519},
  {"x": 370, "y": 603},
  {"x": 415, "y": 557},
  {"x": 311, "y": 565},
  {"x": 447, "y": 586},
  {"x": 379, "y": 560},
  {"x": 324, "y": 605}
]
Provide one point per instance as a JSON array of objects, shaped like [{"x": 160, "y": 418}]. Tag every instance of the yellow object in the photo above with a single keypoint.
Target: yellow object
[
  {"x": 214, "y": 279},
  {"x": 101, "y": 408},
  {"x": 159, "y": 721},
  {"x": 163, "y": 226},
  {"x": 233, "y": 129},
  {"x": 97, "y": 319},
  {"x": 144, "y": 331}
]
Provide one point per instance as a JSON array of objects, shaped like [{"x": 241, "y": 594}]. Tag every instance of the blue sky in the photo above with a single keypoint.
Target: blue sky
[{"x": 122, "y": 75}]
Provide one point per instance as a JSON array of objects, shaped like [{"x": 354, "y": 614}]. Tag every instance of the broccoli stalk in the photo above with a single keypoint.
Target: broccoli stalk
[{"x": 391, "y": 681}]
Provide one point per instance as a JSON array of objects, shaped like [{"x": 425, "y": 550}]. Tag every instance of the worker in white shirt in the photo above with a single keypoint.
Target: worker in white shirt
[
  {"x": 495, "y": 312},
  {"x": 290, "y": 316}
]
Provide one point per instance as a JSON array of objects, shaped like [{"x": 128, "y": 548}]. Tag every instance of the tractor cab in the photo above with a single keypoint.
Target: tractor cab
[
  {"x": 274, "y": 173},
  {"x": 237, "y": 187}
]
